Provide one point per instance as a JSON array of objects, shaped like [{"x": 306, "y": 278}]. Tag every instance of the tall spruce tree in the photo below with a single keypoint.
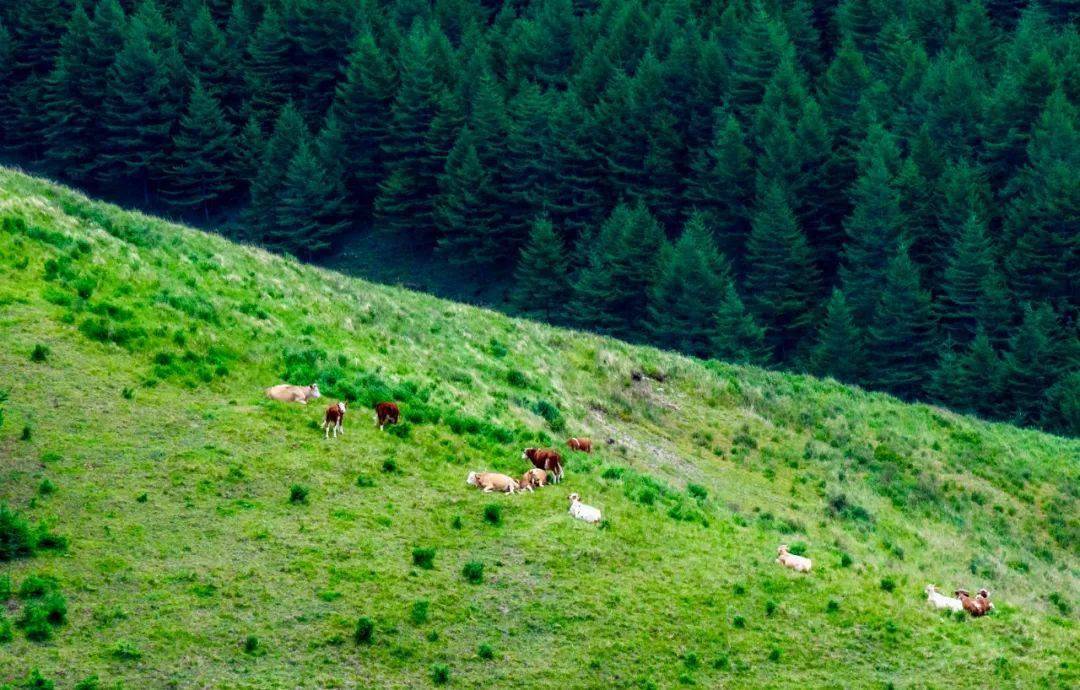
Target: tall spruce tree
[
  {"x": 611, "y": 294},
  {"x": 684, "y": 301},
  {"x": 406, "y": 196},
  {"x": 974, "y": 294},
  {"x": 72, "y": 97},
  {"x": 140, "y": 109},
  {"x": 362, "y": 109},
  {"x": 205, "y": 156},
  {"x": 308, "y": 213},
  {"x": 575, "y": 203},
  {"x": 465, "y": 209},
  {"x": 289, "y": 132},
  {"x": 972, "y": 379},
  {"x": 840, "y": 348},
  {"x": 1035, "y": 360},
  {"x": 542, "y": 278},
  {"x": 782, "y": 282},
  {"x": 902, "y": 336},
  {"x": 737, "y": 337}
]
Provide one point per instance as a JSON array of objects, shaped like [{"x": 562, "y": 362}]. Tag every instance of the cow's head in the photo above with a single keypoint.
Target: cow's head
[{"x": 314, "y": 388}]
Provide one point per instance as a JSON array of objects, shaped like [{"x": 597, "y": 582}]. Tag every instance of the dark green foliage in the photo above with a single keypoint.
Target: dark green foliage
[
  {"x": 205, "y": 158},
  {"x": 365, "y": 630},
  {"x": 623, "y": 262},
  {"x": 839, "y": 350},
  {"x": 485, "y": 651},
  {"x": 298, "y": 493},
  {"x": 504, "y": 135},
  {"x": 40, "y": 353},
  {"x": 424, "y": 557},
  {"x": 493, "y": 513},
  {"x": 888, "y": 584},
  {"x": 902, "y": 333},
  {"x": 782, "y": 280},
  {"x": 17, "y": 538},
  {"x": 440, "y": 674},
  {"x": 418, "y": 613},
  {"x": 688, "y": 294},
  {"x": 473, "y": 572},
  {"x": 36, "y": 681},
  {"x": 541, "y": 281}
]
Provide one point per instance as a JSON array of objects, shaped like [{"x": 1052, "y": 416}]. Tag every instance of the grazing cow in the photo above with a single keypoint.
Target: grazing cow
[
  {"x": 492, "y": 481},
  {"x": 978, "y": 605},
  {"x": 940, "y": 601},
  {"x": 386, "y": 413},
  {"x": 799, "y": 564},
  {"x": 547, "y": 460},
  {"x": 582, "y": 511},
  {"x": 582, "y": 444},
  {"x": 534, "y": 478},
  {"x": 335, "y": 415},
  {"x": 288, "y": 393}
]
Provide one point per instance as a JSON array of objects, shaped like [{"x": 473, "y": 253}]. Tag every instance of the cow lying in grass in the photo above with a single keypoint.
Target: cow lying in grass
[
  {"x": 335, "y": 415},
  {"x": 940, "y": 601},
  {"x": 492, "y": 481},
  {"x": 547, "y": 460},
  {"x": 289, "y": 393},
  {"x": 799, "y": 564},
  {"x": 978, "y": 605},
  {"x": 581, "y": 511},
  {"x": 533, "y": 479},
  {"x": 386, "y": 413}
]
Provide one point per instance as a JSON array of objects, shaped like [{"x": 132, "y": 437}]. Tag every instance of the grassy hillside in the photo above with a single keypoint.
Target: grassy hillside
[{"x": 139, "y": 432}]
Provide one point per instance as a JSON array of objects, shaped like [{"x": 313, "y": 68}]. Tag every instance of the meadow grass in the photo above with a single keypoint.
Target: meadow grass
[{"x": 199, "y": 535}]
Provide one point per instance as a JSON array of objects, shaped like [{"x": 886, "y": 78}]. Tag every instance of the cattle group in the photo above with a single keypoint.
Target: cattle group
[
  {"x": 547, "y": 464},
  {"x": 545, "y": 461}
]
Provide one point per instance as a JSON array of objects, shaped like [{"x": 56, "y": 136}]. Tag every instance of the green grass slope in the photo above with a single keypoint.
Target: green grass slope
[{"x": 139, "y": 433}]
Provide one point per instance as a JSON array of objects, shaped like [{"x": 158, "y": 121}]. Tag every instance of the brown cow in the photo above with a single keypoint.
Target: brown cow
[
  {"x": 977, "y": 606},
  {"x": 547, "y": 460},
  {"x": 582, "y": 444},
  {"x": 335, "y": 415},
  {"x": 386, "y": 413},
  {"x": 533, "y": 479}
]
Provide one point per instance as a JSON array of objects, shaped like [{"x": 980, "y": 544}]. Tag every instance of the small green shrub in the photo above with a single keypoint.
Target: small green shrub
[
  {"x": 142, "y": 498},
  {"x": 738, "y": 590},
  {"x": 738, "y": 622},
  {"x": 846, "y": 560},
  {"x": 17, "y": 540},
  {"x": 697, "y": 491},
  {"x": 88, "y": 683},
  {"x": 251, "y": 644},
  {"x": 432, "y": 636},
  {"x": 612, "y": 473},
  {"x": 798, "y": 548},
  {"x": 6, "y": 634},
  {"x": 440, "y": 674},
  {"x": 127, "y": 393},
  {"x": 46, "y": 488},
  {"x": 389, "y": 466},
  {"x": 35, "y": 681},
  {"x": 493, "y": 513},
  {"x": 424, "y": 557},
  {"x": 365, "y": 630},
  {"x": 833, "y": 606},
  {"x": 485, "y": 651},
  {"x": 418, "y": 614},
  {"x": 365, "y": 482},
  {"x": 770, "y": 608},
  {"x": 691, "y": 660},
  {"x": 27, "y": 433},
  {"x": 5, "y": 587},
  {"x": 298, "y": 493},
  {"x": 40, "y": 353},
  {"x": 517, "y": 379},
  {"x": 888, "y": 584},
  {"x": 1062, "y": 604},
  {"x": 774, "y": 654},
  {"x": 37, "y": 586},
  {"x": 125, "y": 650},
  {"x": 473, "y": 572},
  {"x": 456, "y": 522},
  {"x": 35, "y": 623}
]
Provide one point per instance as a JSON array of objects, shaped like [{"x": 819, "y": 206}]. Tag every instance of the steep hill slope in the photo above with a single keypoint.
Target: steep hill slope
[{"x": 139, "y": 432}]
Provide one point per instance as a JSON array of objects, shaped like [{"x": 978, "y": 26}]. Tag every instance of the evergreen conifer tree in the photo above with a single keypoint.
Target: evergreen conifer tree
[
  {"x": 308, "y": 212},
  {"x": 464, "y": 211},
  {"x": 839, "y": 351},
  {"x": 542, "y": 278},
  {"x": 737, "y": 337},
  {"x": 205, "y": 156}
]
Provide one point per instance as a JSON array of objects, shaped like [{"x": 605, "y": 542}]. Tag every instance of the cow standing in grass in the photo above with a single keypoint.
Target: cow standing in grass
[
  {"x": 335, "y": 415},
  {"x": 547, "y": 460},
  {"x": 386, "y": 413}
]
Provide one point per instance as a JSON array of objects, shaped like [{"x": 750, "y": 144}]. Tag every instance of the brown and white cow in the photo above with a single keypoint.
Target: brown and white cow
[
  {"x": 547, "y": 460},
  {"x": 581, "y": 444},
  {"x": 386, "y": 413},
  {"x": 533, "y": 479},
  {"x": 335, "y": 415}
]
